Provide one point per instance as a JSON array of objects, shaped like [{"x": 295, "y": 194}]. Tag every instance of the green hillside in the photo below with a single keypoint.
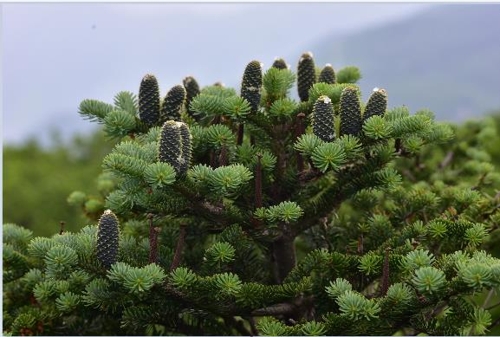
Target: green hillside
[{"x": 446, "y": 58}]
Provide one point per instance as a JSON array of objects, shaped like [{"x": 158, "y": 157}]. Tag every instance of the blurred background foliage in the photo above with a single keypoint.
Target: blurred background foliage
[{"x": 38, "y": 180}]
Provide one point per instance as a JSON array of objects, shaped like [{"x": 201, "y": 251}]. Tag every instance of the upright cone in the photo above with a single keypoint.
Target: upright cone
[
  {"x": 186, "y": 148},
  {"x": 327, "y": 75},
  {"x": 377, "y": 104},
  {"x": 306, "y": 75},
  {"x": 251, "y": 85},
  {"x": 107, "y": 239},
  {"x": 323, "y": 124},
  {"x": 174, "y": 146},
  {"x": 280, "y": 63},
  {"x": 172, "y": 104},
  {"x": 350, "y": 112},
  {"x": 149, "y": 100},
  {"x": 192, "y": 90}
]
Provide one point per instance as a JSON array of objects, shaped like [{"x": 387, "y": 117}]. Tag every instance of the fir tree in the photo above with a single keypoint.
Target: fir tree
[{"x": 319, "y": 217}]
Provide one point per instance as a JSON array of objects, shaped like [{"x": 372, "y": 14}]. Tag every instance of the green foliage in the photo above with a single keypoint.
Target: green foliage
[
  {"x": 94, "y": 110},
  {"x": 328, "y": 156},
  {"x": 277, "y": 82},
  {"x": 40, "y": 179},
  {"x": 251, "y": 213},
  {"x": 428, "y": 280},
  {"x": 348, "y": 74},
  {"x": 159, "y": 174},
  {"x": 357, "y": 307}
]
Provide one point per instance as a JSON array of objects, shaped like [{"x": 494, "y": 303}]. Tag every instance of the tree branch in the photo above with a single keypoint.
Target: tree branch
[
  {"x": 178, "y": 250},
  {"x": 153, "y": 240}
]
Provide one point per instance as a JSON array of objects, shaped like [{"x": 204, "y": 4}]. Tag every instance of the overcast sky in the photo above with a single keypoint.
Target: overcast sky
[{"x": 55, "y": 55}]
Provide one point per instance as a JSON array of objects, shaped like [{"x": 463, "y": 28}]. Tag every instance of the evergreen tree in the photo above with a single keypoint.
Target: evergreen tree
[{"x": 255, "y": 214}]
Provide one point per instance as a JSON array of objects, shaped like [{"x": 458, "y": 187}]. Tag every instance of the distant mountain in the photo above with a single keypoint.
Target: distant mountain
[{"x": 446, "y": 58}]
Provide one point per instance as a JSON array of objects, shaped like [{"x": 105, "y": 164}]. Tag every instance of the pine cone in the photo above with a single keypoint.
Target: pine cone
[
  {"x": 327, "y": 74},
  {"x": 186, "y": 148},
  {"x": 172, "y": 104},
  {"x": 192, "y": 90},
  {"x": 350, "y": 112},
  {"x": 107, "y": 239},
  {"x": 377, "y": 104},
  {"x": 149, "y": 100},
  {"x": 279, "y": 63},
  {"x": 175, "y": 146},
  {"x": 251, "y": 84},
  {"x": 306, "y": 75},
  {"x": 323, "y": 125}
]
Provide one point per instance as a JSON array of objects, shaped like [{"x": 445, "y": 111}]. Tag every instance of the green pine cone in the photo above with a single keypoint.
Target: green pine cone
[
  {"x": 279, "y": 63},
  {"x": 192, "y": 90},
  {"x": 107, "y": 239},
  {"x": 172, "y": 104},
  {"x": 306, "y": 75},
  {"x": 251, "y": 85},
  {"x": 377, "y": 104},
  {"x": 175, "y": 146},
  {"x": 323, "y": 125},
  {"x": 327, "y": 75},
  {"x": 149, "y": 100},
  {"x": 350, "y": 112}
]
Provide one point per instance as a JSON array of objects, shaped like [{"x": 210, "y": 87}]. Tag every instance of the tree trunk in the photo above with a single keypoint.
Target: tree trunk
[{"x": 284, "y": 258}]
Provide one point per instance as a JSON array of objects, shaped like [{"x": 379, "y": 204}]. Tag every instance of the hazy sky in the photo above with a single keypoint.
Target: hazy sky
[{"x": 55, "y": 55}]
